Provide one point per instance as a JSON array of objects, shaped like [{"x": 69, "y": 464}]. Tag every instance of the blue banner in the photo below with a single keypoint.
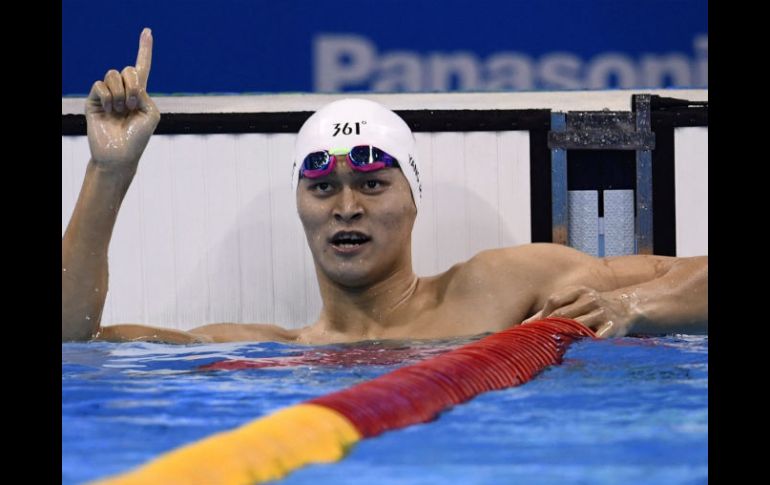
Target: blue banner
[{"x": 249, "y": 46}]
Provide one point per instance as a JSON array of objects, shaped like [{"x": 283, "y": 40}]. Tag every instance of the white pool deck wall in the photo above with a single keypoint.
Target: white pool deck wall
[{"x": 207, "y": 232}]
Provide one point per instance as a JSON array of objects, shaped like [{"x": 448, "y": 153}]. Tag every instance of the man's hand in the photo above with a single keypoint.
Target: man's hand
[
  {"x": 609, "y": 314},
  {"x": 120, "y": 115}
]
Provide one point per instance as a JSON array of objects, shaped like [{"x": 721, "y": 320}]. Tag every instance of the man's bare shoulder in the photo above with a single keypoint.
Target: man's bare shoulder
[
  {"x": 527, "y": 261},
  {"x": 132, "y": 332},
  {"x": 212, "y": 333},
  {"x": 532, "y": 254},
  {"x": 496, "y": 287},
  {"x": 518, "y": 276},
  {"x": 251, "y": 332}
]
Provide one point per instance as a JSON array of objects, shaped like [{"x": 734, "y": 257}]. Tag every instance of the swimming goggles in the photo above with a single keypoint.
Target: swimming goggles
[{"x": 362, "y": 158}]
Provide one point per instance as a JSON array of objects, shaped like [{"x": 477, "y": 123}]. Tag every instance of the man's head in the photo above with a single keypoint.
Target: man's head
[
  {"x": 349, "y": 123},
  {"x": 357, "y": 190}
]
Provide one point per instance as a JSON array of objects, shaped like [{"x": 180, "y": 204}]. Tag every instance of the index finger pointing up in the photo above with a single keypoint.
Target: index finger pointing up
[{"x": 144, "y": 57}]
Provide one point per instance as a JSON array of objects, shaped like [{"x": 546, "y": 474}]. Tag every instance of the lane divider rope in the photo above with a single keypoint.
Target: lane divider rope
[{"x": 323, "y": 429}]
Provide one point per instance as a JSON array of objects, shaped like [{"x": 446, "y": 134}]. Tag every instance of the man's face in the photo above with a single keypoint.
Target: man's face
[{"x": 358, "y": 225}]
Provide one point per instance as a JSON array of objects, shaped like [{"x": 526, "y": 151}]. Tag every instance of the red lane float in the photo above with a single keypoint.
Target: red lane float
[{"x": 418, "y": 392}]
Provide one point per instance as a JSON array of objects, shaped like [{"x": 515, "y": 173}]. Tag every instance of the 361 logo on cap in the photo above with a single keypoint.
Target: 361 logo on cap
[{"x": 347, "y": 128}]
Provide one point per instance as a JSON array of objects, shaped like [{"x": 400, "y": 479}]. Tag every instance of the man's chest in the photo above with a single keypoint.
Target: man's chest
[{"x": 468, "y": 315}]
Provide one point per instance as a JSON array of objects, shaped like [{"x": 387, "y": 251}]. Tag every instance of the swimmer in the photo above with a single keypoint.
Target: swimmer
[{"x": 357, "y": 195}]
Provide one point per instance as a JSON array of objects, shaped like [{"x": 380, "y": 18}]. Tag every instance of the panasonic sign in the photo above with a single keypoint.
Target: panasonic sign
[{"x": 346, "y": 61}]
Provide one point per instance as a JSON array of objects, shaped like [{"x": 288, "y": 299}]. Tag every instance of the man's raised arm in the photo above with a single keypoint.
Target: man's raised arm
[{"x": 121, "y": 117}]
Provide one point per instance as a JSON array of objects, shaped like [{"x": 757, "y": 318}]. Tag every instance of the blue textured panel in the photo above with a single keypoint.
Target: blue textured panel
[
  {"x": 584, "y": 221},
  {"x": 618, "y": 222}
]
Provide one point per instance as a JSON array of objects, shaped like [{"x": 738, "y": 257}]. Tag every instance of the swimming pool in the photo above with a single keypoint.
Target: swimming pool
[{"x": 623, "y": 410}]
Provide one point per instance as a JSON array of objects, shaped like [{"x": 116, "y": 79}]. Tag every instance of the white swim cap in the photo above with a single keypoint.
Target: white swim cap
[{"x": 350, "y": 122}]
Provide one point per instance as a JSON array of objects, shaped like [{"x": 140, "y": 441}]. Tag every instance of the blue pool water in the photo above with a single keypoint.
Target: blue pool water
[{"x": 631, "y": 411}]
